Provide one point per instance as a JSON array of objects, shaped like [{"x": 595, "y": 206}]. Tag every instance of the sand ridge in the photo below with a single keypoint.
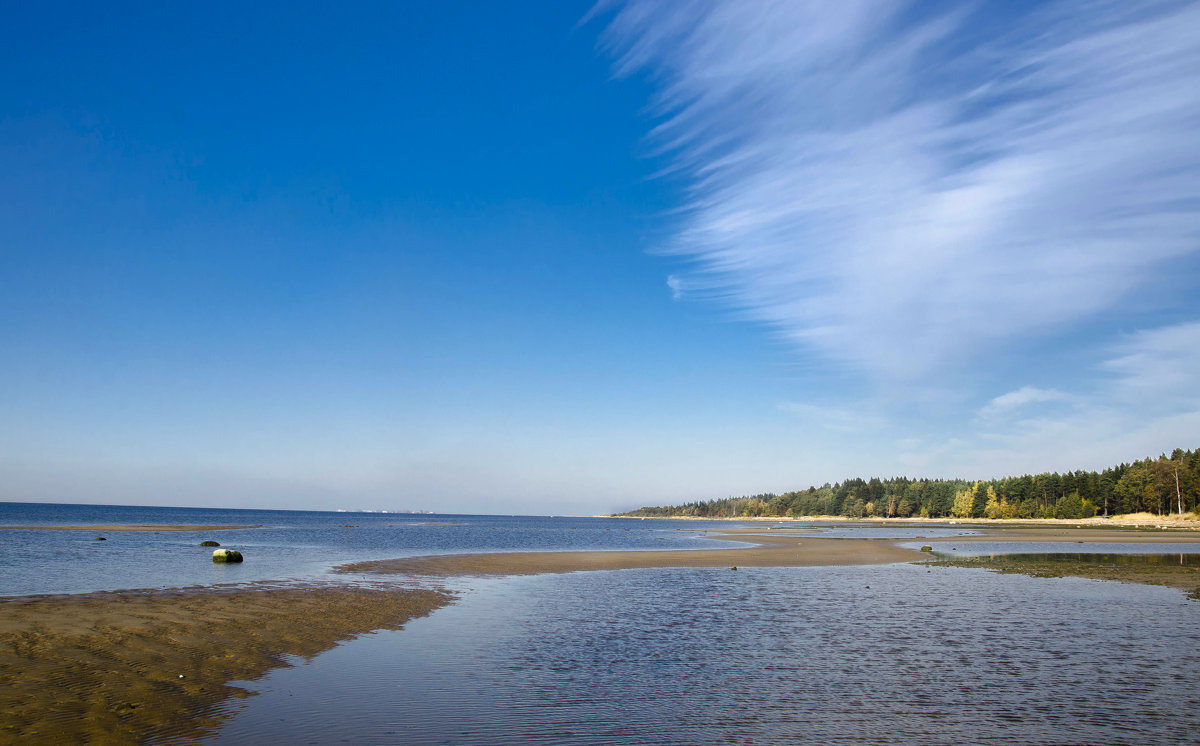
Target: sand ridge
[
  {"x": 773, "y": 547},
  {"x": 800, "y": 550}
]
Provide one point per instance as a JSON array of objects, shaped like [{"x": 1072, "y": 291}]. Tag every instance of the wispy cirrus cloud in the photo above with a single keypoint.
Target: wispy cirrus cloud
[
  {"x": 1145, "y": 401},
  {"x": 1157, "y": 371},
  {"x": 1015, "y": 401},
  {"x": 897, "y": 186}
]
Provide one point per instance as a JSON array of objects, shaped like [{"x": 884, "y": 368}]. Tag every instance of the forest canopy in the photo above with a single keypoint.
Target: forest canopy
[{"x": 1167, "y": 484}]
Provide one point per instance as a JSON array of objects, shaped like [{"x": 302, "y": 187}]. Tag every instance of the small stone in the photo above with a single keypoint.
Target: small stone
[
  {"x": 733, "y": 568},
  {"x": 101, "y": 538},
  {"x": 926, "y": 548},
  {"x": 210, "y": 543},
  {"x": 226, "y": 555}
]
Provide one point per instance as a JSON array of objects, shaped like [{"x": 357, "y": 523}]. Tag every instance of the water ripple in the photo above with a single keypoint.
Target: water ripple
[{"x": 765, "y": 655}]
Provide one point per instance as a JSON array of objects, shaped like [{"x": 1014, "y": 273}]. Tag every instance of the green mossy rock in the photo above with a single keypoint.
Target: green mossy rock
[
  {"x": 926, "y": 548},
  {"x": 226, "y": 555},
  {"x": 210, "y": 543}
]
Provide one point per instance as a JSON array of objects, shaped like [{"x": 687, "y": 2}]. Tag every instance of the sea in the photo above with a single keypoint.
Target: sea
[{"x": 900, "y": 653}]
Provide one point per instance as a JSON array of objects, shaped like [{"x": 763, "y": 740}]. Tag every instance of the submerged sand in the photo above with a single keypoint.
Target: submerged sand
[
  {"x": 125, "y": 666},
  {"x": 1183, "y": 577}
]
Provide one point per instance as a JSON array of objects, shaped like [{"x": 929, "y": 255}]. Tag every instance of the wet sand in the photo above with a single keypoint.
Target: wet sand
[
  {"x": 124, "y": 666},
  {"x": 1068, "y": 534},
  {"x": 771, "y": 551},
  {"x": 1184, "y": 578},
  {"x": 787, "y": 547},
  {"x": 126, "y": 527}
]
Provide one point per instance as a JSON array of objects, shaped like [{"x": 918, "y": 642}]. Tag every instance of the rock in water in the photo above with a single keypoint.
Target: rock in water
[
  {"x": 210, "y": 543},
  {"x": 226, "y": 555},
  {"x": 926, "y": 548}
]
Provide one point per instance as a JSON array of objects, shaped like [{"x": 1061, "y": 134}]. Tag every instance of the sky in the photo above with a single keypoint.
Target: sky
[{"x": 574, "y": 258}]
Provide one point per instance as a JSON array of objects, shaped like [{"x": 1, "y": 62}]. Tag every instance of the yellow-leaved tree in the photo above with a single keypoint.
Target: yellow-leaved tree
[
  {"x": 963, "y": 500},
  {"x": 992, "y": 508}
]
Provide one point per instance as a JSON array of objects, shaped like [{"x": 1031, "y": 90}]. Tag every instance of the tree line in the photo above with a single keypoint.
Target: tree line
[{"x": 1167, "y": 484}]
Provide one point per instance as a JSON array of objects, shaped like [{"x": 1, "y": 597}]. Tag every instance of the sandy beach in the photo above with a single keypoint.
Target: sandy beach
[{"x": 124, "y": 666}]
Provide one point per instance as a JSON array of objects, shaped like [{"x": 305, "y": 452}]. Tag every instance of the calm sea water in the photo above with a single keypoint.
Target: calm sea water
[{"x": 291, "y": 545}]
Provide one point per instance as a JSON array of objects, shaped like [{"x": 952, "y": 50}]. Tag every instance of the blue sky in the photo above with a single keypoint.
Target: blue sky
[{"x": 557, "y": 258}]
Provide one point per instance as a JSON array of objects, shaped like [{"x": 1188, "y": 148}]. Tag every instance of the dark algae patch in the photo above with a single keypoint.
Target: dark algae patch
[
  {"x": 133, "y": 666},
  {"x": 1174, "y": 570}
]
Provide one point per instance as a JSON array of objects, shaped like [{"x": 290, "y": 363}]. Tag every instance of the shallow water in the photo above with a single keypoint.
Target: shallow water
[
  {"x": 869, "y": 531},
  {"x": 762, "y": 655},
  {"x": 290, "y": 545}
]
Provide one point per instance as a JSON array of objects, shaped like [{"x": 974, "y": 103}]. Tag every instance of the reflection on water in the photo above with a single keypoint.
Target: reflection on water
[
  {"x": 875, "y": 531},
  {"x": 899, "y": 654}
]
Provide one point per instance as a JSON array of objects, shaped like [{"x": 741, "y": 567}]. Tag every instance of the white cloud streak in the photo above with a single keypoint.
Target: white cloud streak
[
  {"x": 899, "y": 189},
  {"x": 1014, "y": 401}
]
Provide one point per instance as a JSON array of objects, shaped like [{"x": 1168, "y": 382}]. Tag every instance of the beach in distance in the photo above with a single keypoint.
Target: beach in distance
[{"x": 128, "y": 661}]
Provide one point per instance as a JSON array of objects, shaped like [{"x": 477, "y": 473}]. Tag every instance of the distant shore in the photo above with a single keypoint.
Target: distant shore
[
  {"x": 126, "y": 666},
  {"x": 1187, "y": 521}
]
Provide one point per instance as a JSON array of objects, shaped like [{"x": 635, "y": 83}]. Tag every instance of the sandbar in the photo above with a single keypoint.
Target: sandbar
[
  {"x": 770, "y": 551},
  {"x": 127, "y": 666},
  {"x": 787, "y": 547}
]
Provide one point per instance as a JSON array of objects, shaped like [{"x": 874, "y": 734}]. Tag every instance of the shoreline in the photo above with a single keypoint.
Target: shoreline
[{"x": 126, "y": 666}]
